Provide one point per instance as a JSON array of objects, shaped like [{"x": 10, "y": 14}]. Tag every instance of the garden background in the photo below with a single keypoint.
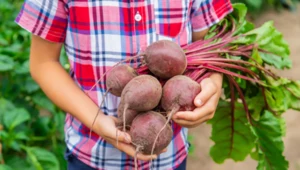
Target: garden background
[{"x": 31, "y": 127}]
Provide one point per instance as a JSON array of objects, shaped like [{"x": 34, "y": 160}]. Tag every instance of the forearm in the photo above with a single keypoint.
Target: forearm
[
  {"x": 58, "y": 85},
  {"x": 60, "y": 88}
]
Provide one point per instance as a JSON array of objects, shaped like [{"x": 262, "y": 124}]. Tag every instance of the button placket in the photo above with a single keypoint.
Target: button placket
[{"x": 138, "y": 16}]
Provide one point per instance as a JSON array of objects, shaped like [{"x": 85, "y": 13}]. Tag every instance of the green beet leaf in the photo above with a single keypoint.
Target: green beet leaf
[
  {"x": 244, "y": 40},
  {"x": 240, "y": 11},
  {"x": 269, "y": 133},
  {"x": 271, "y": 40},
  {"x": 256, "y": 105},
  {"x": 278, "y": 82},
  {"x": 277, "y": 100},
  {"x": 233, "y": 139},
  {"x": 256, "y": 57},
  {"x": 283, "y": 94},
  {"x": 275, "y": 60},
  {"x": 295, "y": 103},
  {"x": 292, "y": 90},
  {"x": 239, "y": 14},
  {"x": 283, "y": 126}
]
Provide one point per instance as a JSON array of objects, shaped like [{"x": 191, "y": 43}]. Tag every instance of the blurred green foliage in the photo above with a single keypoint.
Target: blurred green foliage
[
  {"x": 31, "y": 126},
  {"x": 257, "y": 7}
]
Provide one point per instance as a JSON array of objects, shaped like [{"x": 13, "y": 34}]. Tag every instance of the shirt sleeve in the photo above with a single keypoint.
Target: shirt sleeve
[
  {"x": 206, "y": 13},
  {"x": 44, "y": 18}
]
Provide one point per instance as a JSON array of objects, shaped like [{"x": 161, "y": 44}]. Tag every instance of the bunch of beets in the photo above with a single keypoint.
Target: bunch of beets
[{"x": 165, "y": 77}]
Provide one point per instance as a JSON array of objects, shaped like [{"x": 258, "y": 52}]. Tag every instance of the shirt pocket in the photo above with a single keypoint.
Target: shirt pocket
[{"x": 171, "y": 16}]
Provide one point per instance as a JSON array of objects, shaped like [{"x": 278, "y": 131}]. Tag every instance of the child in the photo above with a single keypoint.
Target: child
[{"x": 96, "y": 34}]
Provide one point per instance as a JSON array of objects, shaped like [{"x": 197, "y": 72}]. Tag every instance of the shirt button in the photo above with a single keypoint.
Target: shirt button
[{"x": 138, "y": 17}]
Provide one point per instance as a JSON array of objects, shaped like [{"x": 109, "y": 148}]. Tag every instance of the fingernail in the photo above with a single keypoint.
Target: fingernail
[{"x": 199, "y": 102}]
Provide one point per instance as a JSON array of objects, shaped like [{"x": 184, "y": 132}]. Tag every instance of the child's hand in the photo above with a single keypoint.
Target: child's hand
[
  {"x": 208, "y": 97},
  {"x": 107, "y": 130}
]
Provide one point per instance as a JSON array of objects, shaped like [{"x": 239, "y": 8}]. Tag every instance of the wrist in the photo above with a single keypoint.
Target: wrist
[{"x": 96, "y": 121}]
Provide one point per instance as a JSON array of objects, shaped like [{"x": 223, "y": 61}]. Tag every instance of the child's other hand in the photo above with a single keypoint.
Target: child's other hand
[
  {"x": 209, "y": 98},
  {"x": 107, "y": 129}
]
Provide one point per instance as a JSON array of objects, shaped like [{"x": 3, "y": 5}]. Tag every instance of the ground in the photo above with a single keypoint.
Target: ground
[{"x": 289, "y": 24}]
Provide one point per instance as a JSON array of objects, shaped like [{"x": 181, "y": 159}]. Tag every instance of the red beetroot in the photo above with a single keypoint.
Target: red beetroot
[
  {"x": 144, "y": 130},
  {"x": 165, "y": 59},
  {"x": 179, "y": 93},
  {"x": 118, "y": 77}
]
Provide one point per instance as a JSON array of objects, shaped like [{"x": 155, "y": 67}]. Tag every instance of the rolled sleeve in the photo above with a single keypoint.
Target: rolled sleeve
[
  {"x": 206, "y": 13},
  {"x": 44, "y": 18}
]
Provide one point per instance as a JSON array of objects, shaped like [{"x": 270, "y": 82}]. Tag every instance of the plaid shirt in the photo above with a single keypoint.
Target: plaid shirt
[{"x": 97, "y": 34}]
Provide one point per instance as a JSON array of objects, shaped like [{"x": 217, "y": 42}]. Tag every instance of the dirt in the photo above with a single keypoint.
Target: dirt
[{"x": 289, "y": 24}]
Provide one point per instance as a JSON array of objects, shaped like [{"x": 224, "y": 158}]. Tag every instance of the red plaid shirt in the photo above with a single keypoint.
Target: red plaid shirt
[{"x": 99, "y": 33}]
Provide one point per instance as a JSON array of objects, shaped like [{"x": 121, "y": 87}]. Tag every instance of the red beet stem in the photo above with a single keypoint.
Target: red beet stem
[
  {"x": 200, "y": 74},
  {"x": 232, "y": 66},
  {"x": 142, "y": 68},
  {"x": 196, "y": 44},
  {"x": 250, "y": 58},
  {"x": 244, "y": 48},
  {"x": 208, "y": 48},
  {"x": 233, "y": 28},
  {"x": 232, "y": 103},
  {"x": 196, "y": 73},
  {"x": 221, "y": 31},
  {"x": 220, "y": 70},
  {"x": 222, "y": 34},
  {"x": 206, "y": 75},
  {"x": 258, "y": 66},
  {"x": 202, "y": 55},
  {"x": 241, "y": 97}
]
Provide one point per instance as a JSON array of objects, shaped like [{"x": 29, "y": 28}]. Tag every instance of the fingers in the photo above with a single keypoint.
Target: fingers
[
  {"x": 116, "y": 120},
  {"x": 206, "y": 110},
  {"x": 109, "y": 130},
  {"x": 191, "y": 115},
  {"x": 189, "y": 124},
  {"x": 198, "y": 115},
  {"x": 131, "y": 151},
  {"x": 122, "y": 136},
  {"x": 208, "y": 89},
  {"x": 121, "y": 140}
]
